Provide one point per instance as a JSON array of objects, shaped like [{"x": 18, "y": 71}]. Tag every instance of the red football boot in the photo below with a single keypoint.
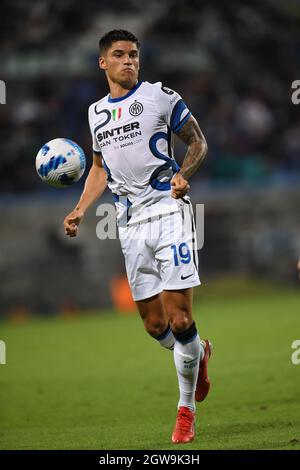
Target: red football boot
[
  {"x": 184, "y": 428},
  {"x": 203, "y": 382}
]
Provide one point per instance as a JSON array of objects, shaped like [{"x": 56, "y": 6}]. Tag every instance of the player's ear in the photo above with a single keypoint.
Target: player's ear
[{"x": 102, "y": 63}]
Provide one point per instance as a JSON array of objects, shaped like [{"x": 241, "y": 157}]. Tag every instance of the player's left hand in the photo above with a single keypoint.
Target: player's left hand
[{"x": 180, "y": 186}]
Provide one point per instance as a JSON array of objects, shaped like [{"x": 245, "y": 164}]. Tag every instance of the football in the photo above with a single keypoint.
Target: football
[{"x": 60, "y": 163}]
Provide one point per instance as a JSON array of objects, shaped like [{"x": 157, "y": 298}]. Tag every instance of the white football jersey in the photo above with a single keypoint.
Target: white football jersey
[{"x": 133, "y": 136}]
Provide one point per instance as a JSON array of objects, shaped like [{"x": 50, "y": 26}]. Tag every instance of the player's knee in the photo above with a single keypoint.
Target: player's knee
[
  {"x": 155, "y": 328},
  {"x": 180, "y": 321}
]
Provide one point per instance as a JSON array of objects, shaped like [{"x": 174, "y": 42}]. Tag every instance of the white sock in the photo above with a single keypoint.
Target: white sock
[
  {"x": 166, "y": 339},
  {"x": 187, "y": 356}
]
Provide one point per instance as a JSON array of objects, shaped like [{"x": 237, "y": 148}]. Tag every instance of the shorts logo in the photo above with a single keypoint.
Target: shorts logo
[
  {"x": 136, "y": 108},
  {"x": 186, "y": 277},
  {"x": 116, "y": 114}
]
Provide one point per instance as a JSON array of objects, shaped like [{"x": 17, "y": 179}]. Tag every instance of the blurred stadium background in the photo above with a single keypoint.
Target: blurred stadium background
[{"x": 233, "y": 62}]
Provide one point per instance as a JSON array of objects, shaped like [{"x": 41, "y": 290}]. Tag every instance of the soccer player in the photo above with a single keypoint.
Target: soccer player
[{"x": 132, "y": 131}]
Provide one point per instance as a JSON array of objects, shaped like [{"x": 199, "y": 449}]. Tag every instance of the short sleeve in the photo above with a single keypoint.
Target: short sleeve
[
  {"x": 171, "y": 107},
  {"x": 96, "y": 147}
]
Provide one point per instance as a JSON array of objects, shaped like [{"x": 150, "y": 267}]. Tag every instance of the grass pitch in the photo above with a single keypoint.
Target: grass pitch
[{"x": 99, "y": 382}]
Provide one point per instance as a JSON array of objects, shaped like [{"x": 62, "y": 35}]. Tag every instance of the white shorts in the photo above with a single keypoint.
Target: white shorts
[{"x": 161, "y": 253}]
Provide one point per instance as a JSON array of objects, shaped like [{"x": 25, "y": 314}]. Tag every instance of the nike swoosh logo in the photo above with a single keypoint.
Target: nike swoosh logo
[
  {"x": 185, "y": 277},
  {"x": 188, "y": 362}
]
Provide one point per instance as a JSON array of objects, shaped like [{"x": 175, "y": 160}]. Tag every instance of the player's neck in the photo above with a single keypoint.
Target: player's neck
[{"x": 117, "y": 91}]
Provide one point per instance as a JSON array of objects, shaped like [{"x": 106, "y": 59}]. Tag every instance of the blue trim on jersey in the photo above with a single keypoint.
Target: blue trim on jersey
[
  {"x": 116, "y": 100},
  {"x": 178, "y": 109},
  {"x": 169, "y": 136},
  {"x": 109, "y": 177},
  {"x": 153, "y": 147},
  {"x": 129, "y": 204},
  {"x": 121, "y": 199},
  {"x": 182, "y": 122},
  {"x": 170, "y": 163},
  {"x": 154, "y": 181}
]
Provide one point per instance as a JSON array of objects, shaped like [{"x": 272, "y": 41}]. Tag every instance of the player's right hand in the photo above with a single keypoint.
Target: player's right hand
[{"x": 72, "y": 221}]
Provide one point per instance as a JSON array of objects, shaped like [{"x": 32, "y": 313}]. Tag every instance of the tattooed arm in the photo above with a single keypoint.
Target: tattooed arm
[{"x": 191, "y": 135}]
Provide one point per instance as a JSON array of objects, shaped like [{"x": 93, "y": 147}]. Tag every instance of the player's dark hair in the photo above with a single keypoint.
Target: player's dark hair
[{"x": 116, "y": 35}]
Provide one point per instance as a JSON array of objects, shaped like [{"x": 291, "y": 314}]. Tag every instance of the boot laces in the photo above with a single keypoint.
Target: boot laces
[{"x": 184, "y": 420}]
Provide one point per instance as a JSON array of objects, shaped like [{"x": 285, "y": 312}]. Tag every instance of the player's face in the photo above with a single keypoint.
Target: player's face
[{"x": 121, "y": 63}]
